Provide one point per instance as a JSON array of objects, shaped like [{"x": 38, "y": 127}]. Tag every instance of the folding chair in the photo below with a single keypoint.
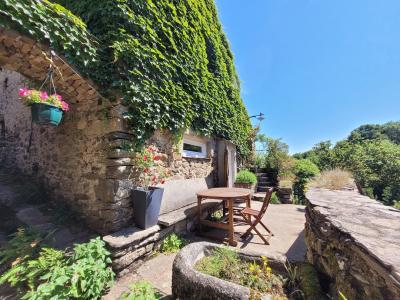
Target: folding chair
[{"x": 248, "y": 213}]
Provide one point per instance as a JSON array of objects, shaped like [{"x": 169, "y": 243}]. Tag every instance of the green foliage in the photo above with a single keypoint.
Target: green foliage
[
  {"x": 172, "y": 243},
  {"x": 371, "y": 153},
  {"x": 304, "y": 170},
  {"x": 141, "y": 290},
  {"x": 172, "y": 63},
  {"x": 275, "y": 199},
  {"x": 396, "y": 204},
  {"x": 54, "y": 274},
  {"x": 389, "y": 131},
  {"x": 274, "y": 155},
  {"x": 24, "y": 244},
  {"x": 52, "y": 23},
  {"x": 245, "y": 176}
]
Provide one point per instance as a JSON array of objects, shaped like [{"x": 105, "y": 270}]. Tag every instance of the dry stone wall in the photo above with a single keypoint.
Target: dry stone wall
[{"x": 356, "y": 242}]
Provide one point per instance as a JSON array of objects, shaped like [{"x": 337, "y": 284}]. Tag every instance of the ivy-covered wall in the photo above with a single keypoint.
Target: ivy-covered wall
[{"x": 169, "y": 60}]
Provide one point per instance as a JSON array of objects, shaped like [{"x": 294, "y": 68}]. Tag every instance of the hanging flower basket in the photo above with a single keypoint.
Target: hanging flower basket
[
  {"x": 45, "y": 109},
  {"x": 44, "y": 114}
]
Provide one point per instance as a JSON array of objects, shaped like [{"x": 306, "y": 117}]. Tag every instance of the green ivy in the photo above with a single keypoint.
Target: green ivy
[
  {"x": 52, "y": 23},
  {"x": 168, "y": 59}
]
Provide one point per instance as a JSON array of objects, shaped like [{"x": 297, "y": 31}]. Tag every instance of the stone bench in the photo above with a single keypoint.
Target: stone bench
[{"x": 131, "y": 245}]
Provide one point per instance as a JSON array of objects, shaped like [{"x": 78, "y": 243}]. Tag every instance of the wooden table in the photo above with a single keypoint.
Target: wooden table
[{"x": 229, "y": 195}]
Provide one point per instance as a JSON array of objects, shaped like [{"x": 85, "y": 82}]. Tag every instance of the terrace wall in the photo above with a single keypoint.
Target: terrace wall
[{"x": 356, "y": 242}]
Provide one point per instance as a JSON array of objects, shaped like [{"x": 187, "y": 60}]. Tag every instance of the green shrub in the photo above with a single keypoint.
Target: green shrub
[
  {"x": 275, "y": 199},
  {"x": 172, "y": 243},
  {"x": 396, "y": 204},
  {"x": 304, "y": 170},
  {"x": 141, "y": 290},
  {"x": 245, "y": 176},
  {"x": 54, "y": 274},
  {"x": 24, "y": 244}
]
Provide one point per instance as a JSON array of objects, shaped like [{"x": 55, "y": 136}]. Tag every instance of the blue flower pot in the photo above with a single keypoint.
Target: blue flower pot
[
  {"x": 44, "y": 114},
  {"x": 146, "y": 206}
]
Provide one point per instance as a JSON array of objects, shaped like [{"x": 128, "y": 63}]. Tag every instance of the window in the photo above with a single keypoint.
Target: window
[{"x": 192, "y": 148}]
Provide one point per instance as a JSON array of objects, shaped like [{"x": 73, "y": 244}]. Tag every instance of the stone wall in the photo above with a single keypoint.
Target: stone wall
[
  {"x": 68, "y": 159},
  {"x": 82, "y": 162},
  {"x": 356, "y": 242}
]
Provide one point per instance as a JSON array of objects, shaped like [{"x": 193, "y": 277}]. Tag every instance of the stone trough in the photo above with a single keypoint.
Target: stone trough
[{"x": 188, "y": 283}]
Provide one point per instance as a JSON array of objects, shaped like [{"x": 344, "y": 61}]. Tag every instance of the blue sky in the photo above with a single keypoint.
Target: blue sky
[{"x": 316, "y": 68}]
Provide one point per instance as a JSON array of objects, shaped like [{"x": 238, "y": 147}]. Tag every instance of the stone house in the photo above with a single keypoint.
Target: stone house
[{"x": 82, "y": 162}]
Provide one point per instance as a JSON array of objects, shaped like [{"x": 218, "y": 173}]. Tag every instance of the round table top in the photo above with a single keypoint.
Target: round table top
[{"x": 225, "y": 193}]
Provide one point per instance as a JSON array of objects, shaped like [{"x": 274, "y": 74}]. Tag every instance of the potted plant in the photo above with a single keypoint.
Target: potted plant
[
  {"x": 46, "y": 109},
  {"x": 148, "y": 196},
  {"x": 246, "y": 179}
]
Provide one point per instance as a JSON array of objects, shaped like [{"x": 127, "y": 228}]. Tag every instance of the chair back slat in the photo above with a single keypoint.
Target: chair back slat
[{"x": 266, "y": 201}]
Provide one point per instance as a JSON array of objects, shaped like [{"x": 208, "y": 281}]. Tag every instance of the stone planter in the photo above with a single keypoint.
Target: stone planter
[
  {"x": 245, "y": 186},
  {"x": 284, "y": 195},
  {"x": 146, "y": 206},
  {"x": 188, "y": 283},
  {"x": 44, "y": 114}
]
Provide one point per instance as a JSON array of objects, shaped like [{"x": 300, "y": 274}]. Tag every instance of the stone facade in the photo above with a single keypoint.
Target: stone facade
[
  {"x": 82, "y": 162},
  {"x": 356, "y": 242}
]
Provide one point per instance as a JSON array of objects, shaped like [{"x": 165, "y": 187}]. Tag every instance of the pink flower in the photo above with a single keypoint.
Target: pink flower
[
  {"x": 23, "y": 92},
  {"x": 64, "y": 105},
  {"x": 59, "y": 97},
  {"x": 43, "y": 96}
]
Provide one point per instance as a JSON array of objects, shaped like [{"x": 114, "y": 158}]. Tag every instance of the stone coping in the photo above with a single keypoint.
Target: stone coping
[
  {"x": 368, "y": 224},
  {"x": 188, "y": 283},
  {"x": 129, "y": 235},
  {"x": 189, "y": 211}
]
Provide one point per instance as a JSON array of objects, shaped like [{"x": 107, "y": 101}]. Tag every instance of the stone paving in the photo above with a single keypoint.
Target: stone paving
[{"x": 286, "y": 222}]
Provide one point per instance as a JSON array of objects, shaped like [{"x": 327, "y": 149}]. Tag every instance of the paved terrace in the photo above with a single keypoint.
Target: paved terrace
[{"x": 286, "y": 221}]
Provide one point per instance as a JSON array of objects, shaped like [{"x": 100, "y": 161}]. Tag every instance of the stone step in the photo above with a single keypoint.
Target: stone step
[
  {"x": 258, "y": 196},
  {"x": 262, "y": 189},
  {"x": 264, "y": 182}
]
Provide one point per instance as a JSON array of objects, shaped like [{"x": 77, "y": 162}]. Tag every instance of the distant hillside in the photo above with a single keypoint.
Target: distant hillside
[{"x": 389, "y": 131}]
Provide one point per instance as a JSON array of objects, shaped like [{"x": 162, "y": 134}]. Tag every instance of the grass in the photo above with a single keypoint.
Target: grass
[
  {"x": 225, "y": 264},
  {"x": 335, "y": 179}
]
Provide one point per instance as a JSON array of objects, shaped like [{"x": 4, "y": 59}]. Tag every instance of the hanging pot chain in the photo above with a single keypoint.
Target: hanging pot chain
[{"x": 49, "y": 76}]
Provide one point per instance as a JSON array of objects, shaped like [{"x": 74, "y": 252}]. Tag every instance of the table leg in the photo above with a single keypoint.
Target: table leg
[
  {"x": 232, "y": 241},
  {"x": 248, "y": 201},
  {"x": 199, "y": 211}
]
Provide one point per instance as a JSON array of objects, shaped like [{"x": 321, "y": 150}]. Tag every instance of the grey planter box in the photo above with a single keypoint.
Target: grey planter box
[{"x": 190, "y": 284}]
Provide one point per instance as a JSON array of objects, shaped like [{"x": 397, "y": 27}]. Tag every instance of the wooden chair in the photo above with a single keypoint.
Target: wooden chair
[{"x": 248, "y": 213}]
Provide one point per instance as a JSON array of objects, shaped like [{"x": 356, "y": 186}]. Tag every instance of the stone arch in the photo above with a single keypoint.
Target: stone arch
[
  {"x": 71, "y": 159},
  {"x": 31, "y": 59}
]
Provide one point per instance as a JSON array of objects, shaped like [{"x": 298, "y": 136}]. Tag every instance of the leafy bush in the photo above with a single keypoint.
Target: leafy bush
[
  {"x": 304, "y": 170},
  {"x": 396, "y": 204},
  {"x": 83, "y": 274},
  {"x": 245, "y": 176},
  {"x": 141, "y": 290},
  {"x": 172, "y": 243},
  {"x": 334, "y": 179},
  {"x": 275, "y": 199},
  {"x": 24, "y": 244}
]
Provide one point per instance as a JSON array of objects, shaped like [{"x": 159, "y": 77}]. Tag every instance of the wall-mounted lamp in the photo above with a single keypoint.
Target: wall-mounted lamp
[{"x": 259, "y": 117}]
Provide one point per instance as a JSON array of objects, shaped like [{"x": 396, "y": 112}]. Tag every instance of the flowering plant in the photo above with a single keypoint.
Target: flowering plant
[
  {"x": 149, "y": 165},
  {"x": 34, "y": 96}
]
